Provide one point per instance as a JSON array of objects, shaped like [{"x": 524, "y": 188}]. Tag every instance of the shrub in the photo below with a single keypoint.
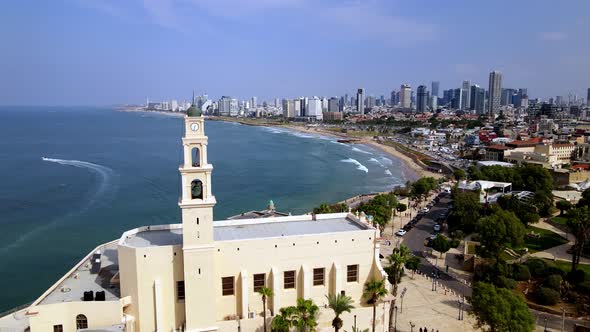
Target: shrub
[
  {"x": 504, "y": 282},
  {"x": 455, "y": 243},
  {"x": 551, "y": 268},
  {"x": 584, "y": 287},
  {"x": 546, "y": 296},
  {"x": 553, "y": 282},
  {"x": 522, "y": 273},
  {"x": 536, "y": 266},
  {"x": 576, "y": 277}
]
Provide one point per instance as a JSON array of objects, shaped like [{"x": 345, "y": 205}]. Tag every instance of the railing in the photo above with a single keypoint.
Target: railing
[{"x": 15, "y": 309}]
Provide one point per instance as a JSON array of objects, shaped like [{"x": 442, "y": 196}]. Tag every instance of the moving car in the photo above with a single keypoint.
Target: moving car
[
  {"x": 401, "y": 232},
  {"x": 424, "y": 210},
  {"x": 437, "y": 228}
]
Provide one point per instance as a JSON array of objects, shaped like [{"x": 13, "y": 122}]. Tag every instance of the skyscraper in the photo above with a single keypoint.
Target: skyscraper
[
  {"x": 457, "y": 100},
  {"x": 466, "y": 93},
  {"x": 435, "y": 87},
  {"x": 495, "y": 91},
  {"x": 405, "y": 96},
  {"x": 393, "y": 97},
  {"x": 254, "y": 102},
  {"x": 333, "y": 104},
  {"x": 588, "y": 98},
  {"x": 360, "y": 101},
  {"x": 422, "y": 100},
  {"x": 477, "y": 99}
]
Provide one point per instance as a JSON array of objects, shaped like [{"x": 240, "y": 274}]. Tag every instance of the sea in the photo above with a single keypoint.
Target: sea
[{"x": 72, "y": 178}]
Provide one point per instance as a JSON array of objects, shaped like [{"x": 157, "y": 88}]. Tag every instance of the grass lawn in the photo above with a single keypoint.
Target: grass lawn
[
  {"x": 547, "y": 240},
  {"x": 566, "y": 267},
  {"x": 559, "y": 220}
]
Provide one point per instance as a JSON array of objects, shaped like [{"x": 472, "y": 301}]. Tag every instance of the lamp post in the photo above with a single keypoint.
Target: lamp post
[
  {"x": 545, "y": 330},
  {"x": 401, "y": 308},
  {"x": 395, "y": 322}
]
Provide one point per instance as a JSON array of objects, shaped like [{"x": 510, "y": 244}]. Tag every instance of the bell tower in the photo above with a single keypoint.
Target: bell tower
[{"x": 197, "y": 203}]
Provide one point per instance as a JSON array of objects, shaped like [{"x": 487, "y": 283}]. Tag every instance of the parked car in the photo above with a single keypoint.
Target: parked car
[
  {"x": 432, "y": 236},
  {"x": 401, "y": 232}
]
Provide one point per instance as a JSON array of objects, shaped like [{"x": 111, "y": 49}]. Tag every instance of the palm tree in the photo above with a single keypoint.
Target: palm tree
[
  {"x": 265, "y": 292},
  {"x": 374, "y": 290},
  {"x": 339, "y": 303},
  {"x": 283, "y": 321},
  {"x": 305, "y": 315},
  {"x": 397, "y": 260}
]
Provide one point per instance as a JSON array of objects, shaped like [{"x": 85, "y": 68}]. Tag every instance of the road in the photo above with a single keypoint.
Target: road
[{"x": 414, "y": 240}]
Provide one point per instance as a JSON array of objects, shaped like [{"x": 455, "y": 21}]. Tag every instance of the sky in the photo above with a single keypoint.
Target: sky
[{"x": 100, "y": 52}]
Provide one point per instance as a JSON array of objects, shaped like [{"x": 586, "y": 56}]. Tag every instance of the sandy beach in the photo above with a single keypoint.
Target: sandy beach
[{"x": 415, "y": 171}]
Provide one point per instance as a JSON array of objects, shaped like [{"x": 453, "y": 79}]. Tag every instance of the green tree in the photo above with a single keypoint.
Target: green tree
[
  {"x": 459, "y": 174},
  {"x": 441, "y": 244},
  {"x": 563, "y": 206},
  {"x": 525, "y": 212},
  {"x": 498, "y": 230},
  {"x": 397, "y": 260},
  {"x": 585, "y": 200},
  {"x": 265, "y": 293},
  {"x": 500, "y": 310},
  {"x": 466, "y": 210},
  {"x": 303, "y": 317},
  {"x": 339, "y": 304},
  {"x": 323, "y": 208},
  {"x": 374, "y": 291},
  {"x": 422, "y": 187},
  {"x": 283, "y": 321},
  {"x": 401, "y": 207},
  {"x": 578, "y": 222}
]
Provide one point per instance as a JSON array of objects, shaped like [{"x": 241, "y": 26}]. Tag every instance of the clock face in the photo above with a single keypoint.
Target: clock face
[{"x": 195, "y": 127}]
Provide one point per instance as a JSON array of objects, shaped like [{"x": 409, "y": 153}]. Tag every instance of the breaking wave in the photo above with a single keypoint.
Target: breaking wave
[
  {"x": 359, "y": 166},
  {"x": 361, "y": 151}
]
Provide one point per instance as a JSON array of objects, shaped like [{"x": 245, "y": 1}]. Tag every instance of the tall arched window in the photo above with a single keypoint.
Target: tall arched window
[
  {"x": 195, "y": 157},
  {"x": 81, "y": 322},
  {"x": 196, "y": 189}
]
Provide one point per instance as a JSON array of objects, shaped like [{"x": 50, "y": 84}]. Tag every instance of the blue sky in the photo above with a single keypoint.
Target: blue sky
[{"x": 93, "y": 52}]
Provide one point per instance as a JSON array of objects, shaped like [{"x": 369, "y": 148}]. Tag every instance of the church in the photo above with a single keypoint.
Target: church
[{"x": 203, "y": 275}]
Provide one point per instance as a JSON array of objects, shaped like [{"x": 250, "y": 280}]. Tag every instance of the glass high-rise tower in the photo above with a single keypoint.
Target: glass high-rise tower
[{"x": 495, "y": 92}]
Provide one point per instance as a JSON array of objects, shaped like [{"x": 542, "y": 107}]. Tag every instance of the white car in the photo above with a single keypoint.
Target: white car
[
  {"x": 437, "y": 228},
  {"x": 424, "y": 210},
  {"x": 401, "y": 232},
  {"x": 432, "y": 236}
]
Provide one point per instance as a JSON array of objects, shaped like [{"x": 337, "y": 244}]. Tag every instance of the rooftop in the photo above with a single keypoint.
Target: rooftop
[
  {"x": 98, "y": 271},
  {"x": 242, "y": 229}
]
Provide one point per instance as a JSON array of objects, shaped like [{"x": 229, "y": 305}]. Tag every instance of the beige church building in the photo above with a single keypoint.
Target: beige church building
[{"x": 203, "y": 275}]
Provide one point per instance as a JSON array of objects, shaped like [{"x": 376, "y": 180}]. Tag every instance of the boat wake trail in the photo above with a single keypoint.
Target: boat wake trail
[
  {"x": 104, "y": 174},
  {"x": 359, "y": 166}
]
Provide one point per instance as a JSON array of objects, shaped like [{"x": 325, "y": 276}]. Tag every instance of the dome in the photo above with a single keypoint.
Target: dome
[{"x": 193, "y": 111}]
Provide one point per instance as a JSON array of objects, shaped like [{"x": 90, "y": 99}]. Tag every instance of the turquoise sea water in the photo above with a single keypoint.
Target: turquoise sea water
[{"x": 72, "y": 178}]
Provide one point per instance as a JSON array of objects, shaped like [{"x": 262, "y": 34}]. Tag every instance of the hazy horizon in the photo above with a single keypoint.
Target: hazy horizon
[{"x": 106, "y": 52}]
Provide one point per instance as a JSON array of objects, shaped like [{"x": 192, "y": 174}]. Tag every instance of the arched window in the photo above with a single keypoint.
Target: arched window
[
  {"x": 196, "y": 189},
  {"x": 81, "y": 322},
  {"x": 195, "y": 157}
]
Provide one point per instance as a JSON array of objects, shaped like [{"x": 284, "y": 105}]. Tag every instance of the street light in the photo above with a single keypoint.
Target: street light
[
  {"x": 401, "y": 308},
  {"x": 395, "y": 323},
  {"x": 545, "y": 330}
]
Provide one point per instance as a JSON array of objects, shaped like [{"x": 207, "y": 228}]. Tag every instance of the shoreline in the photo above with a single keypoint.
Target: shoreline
[
  {"x": 412, "y": 170},
  {"x": 416, "y": 171}
]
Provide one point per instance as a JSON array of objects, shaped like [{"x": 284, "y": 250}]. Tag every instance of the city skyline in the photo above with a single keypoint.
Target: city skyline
[{"x": 109, "y": 53}]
